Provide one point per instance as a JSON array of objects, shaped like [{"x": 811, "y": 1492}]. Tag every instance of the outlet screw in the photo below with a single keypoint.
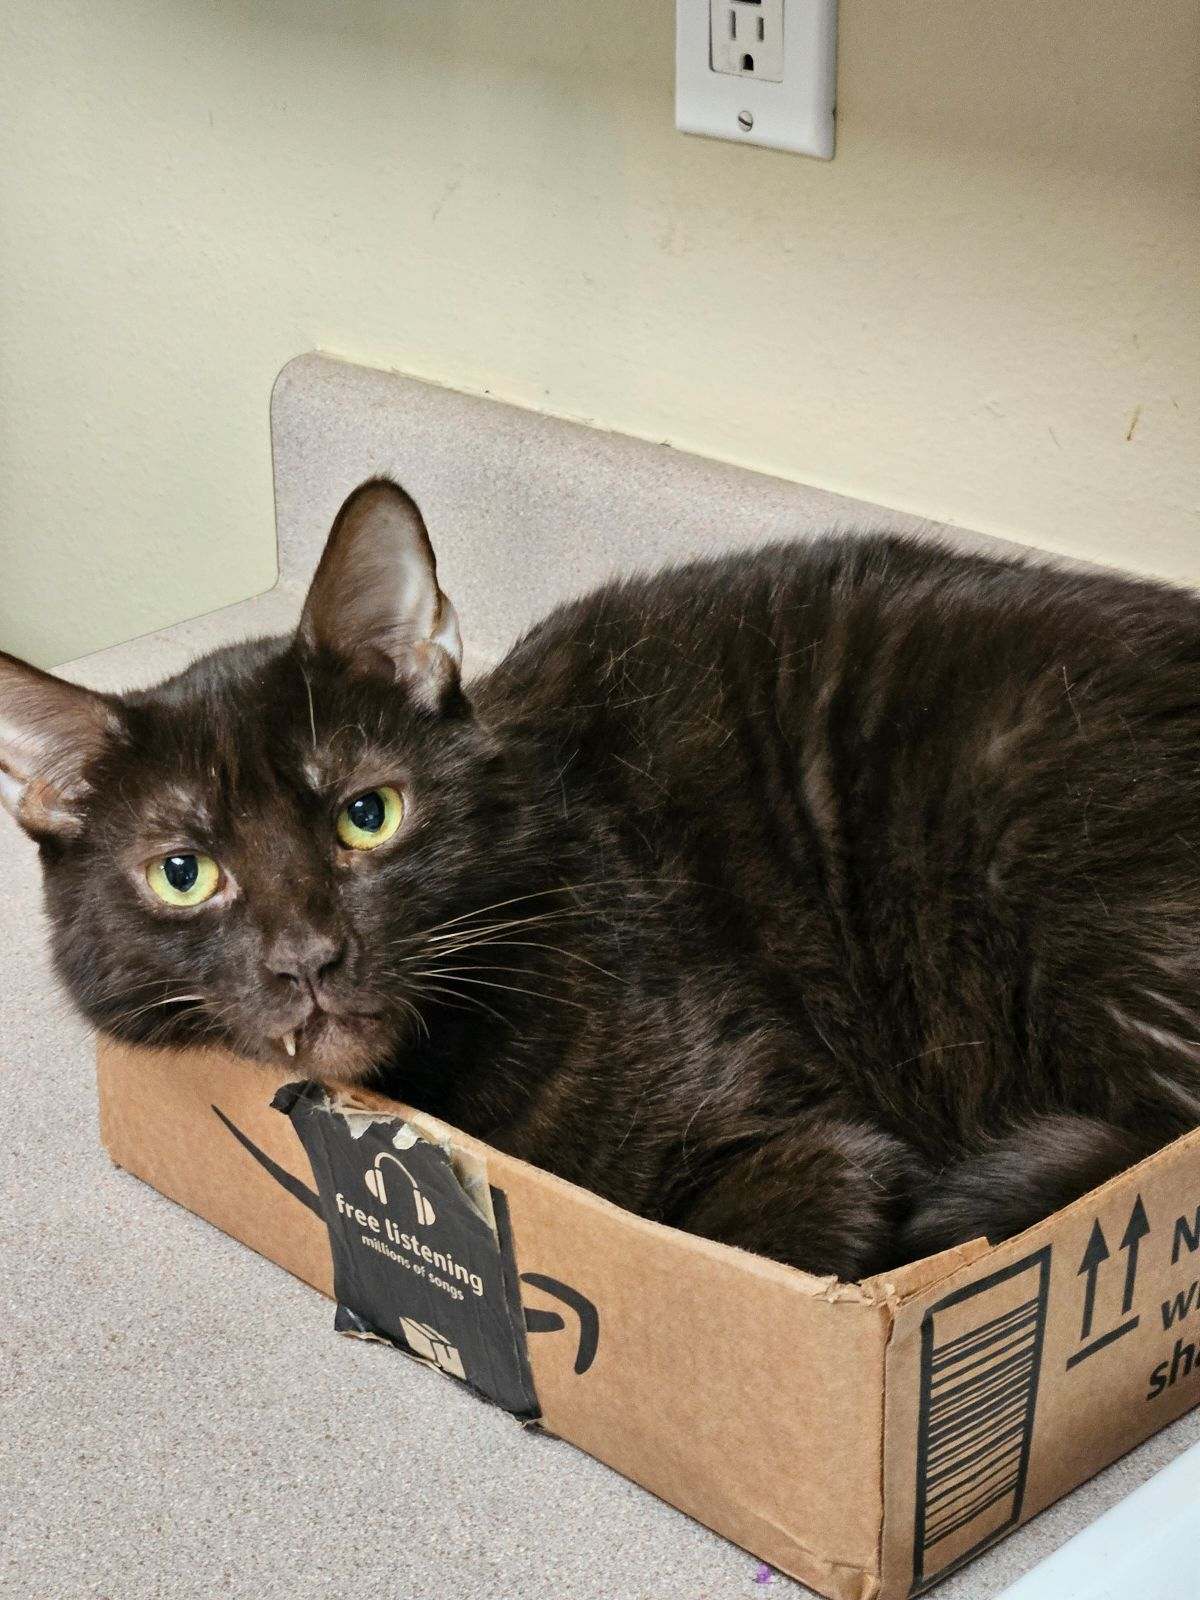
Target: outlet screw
[{"x": 746, "y": 120}]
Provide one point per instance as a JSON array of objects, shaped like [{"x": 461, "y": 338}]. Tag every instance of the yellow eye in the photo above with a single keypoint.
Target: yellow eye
[
  {"x": 370, "y": 818},
  {"x": 185, "y": 879}
]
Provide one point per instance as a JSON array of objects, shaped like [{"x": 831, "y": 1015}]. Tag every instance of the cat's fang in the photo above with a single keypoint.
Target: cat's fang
[{"x": 289, "y": 1043}]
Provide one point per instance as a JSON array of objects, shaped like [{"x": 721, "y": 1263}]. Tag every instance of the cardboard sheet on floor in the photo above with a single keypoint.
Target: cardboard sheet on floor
[{"x": 866, "y": 1438}]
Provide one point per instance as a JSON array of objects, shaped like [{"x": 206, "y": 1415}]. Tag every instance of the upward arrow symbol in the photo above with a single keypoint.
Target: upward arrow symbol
[
  {"x": 1096, "y": 1252},
  {"x": 1136, "y": 1230}
]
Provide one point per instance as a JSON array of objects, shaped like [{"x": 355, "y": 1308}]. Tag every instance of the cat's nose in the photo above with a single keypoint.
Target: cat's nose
[{"x": 304, "y": 958}]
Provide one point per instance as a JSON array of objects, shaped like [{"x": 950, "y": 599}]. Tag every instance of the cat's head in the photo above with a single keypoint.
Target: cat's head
[{"x": 259, "y": 851}]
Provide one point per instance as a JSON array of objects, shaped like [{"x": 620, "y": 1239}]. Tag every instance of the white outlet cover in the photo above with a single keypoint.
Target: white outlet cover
[{"x": 796, "y": 113}]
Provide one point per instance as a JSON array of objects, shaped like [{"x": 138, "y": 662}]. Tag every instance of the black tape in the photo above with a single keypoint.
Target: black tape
[{"x": 414, "y": 1262}]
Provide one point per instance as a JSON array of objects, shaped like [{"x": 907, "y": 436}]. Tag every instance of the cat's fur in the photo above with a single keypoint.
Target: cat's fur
[{"x": 840, "y": 901}]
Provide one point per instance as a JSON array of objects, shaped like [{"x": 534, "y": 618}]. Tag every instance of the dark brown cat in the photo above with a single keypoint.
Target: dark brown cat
[{"x": 840, "y": 901}]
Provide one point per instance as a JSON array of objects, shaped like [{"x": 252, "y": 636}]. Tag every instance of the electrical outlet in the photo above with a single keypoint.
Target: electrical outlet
[
  {"x": 758, "y": 72},
  {"x": 746, "y": 38}
]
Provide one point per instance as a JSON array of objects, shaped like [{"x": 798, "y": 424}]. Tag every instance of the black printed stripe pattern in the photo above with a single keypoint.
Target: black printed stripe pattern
[{"x": 978, "y": 1399}]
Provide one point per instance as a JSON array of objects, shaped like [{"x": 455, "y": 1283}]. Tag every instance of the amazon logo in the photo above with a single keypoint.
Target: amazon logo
[{"x": 583, "y": 1315}]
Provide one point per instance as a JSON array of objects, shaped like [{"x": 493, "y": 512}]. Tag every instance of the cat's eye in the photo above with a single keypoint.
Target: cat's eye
[
  {"x": 186, "y": 878},
  {"x": 370, "y": 818}
]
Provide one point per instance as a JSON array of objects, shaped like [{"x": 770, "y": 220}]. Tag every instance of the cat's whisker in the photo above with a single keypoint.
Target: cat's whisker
[
  {"x": 444, "y": 994},
  {"x": 516, "y": 899},
  {"x": 158, "y": 1032},
  {"x": 468, "y": 935},
  {"x": 529, "y": 944},
  {"x": 410, "y": 949},
  {"x": 127, "y": 989},
  {"x": 454, "y": 969},
  {"x": 510, "y": 922},
  {"x": 312, "y": 715},
  {"x": 124, "y": 1018},
  {"x": 153, "y": 1037},
  {"x": 540, "y": 894},
  {"x": 468, "y": 930},
  {"x": 517, "y": 926},
  {"x": 411, "y": 1010},
  {"x": 502, "y": 922},
  {"x": 513, "y": 988}
]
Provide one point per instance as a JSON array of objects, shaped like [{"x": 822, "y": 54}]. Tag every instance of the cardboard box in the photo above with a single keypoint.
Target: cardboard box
[{"x": 865, "y": 1438}]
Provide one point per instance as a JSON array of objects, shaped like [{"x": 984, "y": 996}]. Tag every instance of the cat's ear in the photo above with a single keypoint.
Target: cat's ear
[
  {"x": 375, "y": 598},
  {"x": 49, "y": 732}
]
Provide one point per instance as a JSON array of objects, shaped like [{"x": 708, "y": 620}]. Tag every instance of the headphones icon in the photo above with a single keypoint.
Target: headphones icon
[{"x": 373, "y": 1177}]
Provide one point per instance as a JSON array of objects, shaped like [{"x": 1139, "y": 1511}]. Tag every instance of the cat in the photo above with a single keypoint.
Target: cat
[{"x": 838, "y": 900}]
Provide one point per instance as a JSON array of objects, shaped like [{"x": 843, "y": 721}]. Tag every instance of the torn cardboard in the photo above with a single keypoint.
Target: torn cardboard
[{"x": 866, "y": 1438}]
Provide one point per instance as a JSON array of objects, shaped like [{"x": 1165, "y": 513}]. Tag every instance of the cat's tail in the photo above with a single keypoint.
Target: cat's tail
[{"x": 1034, "y": 1170}]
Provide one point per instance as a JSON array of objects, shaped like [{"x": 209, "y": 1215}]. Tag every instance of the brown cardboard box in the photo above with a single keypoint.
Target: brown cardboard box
[{"x": 865, "y": 1438}]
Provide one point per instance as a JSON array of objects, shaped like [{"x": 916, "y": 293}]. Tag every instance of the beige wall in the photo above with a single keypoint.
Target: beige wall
[{"x": 985, "y": 309}]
